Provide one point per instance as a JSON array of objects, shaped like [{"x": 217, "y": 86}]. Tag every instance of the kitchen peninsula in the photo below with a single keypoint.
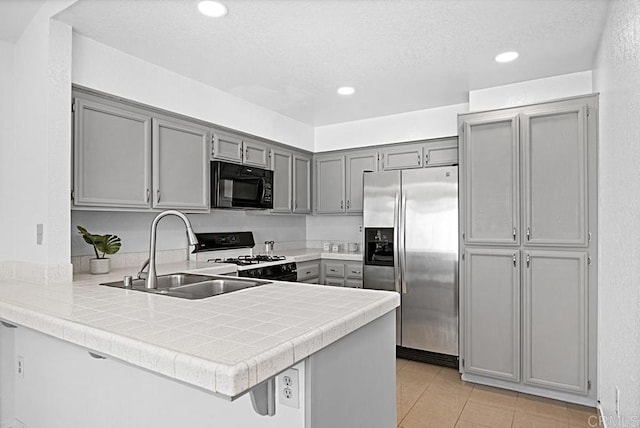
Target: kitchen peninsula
[{"x": 89, "y": 355}]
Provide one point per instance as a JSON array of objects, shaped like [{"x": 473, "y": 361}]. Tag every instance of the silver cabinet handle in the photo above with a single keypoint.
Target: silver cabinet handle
[
  {"x": 426, "y": 158},
  {"x": 96, "y": 356},
  {"x": 514, "y": 233},
  {"x": 419, "y": 159},
  {"x": 528, "y": 260},
  {"x": 148, "y": 195},
  {"x": 528, "y": 233},
  {"x": 158, "y": 195},
  {"x": 514, "y": 260},
  {"x": 348, "y": 204},
  {"x": 246, "y": 153},
  {"x": 341, "y": 205}
]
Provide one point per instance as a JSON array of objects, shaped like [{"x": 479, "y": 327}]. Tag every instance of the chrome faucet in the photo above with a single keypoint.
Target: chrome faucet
[{"x": 151, "y": 281}]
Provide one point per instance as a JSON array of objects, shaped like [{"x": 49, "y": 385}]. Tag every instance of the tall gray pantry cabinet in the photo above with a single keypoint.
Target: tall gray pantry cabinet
[{"x": 528, "y": 239}]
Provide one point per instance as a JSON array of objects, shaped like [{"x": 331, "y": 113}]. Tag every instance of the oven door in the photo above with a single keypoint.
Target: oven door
[{"x": 239, "y": 186}]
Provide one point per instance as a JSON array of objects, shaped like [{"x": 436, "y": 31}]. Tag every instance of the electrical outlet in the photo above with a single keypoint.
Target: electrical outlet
[
  {"x": 289, "y": 389},
  {"x": 617, "y": 402},
  {"x": 39, "y": 233},
  {"x": 20, "y": 367}
]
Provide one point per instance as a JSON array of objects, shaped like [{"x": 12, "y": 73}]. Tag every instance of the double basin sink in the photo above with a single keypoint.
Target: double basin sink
[{"x": 191, "y": 286}]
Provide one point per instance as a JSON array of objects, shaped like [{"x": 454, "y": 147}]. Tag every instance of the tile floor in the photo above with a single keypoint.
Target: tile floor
[{"x": 432, "y": 396}]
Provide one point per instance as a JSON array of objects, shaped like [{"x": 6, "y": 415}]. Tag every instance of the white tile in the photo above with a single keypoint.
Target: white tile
[{"x": 195, "y": 371}]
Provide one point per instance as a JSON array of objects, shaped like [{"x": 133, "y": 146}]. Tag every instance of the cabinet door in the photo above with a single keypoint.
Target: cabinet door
[
  {"x": 491, "y": 180},
  {"x": 555, "y": 175},
  {"x": 112, "y": 156},
  {"x": 281, "y": 164},
  {"x": 180, "y": 165},
  {"x": 256, "y": 153},
  {"x": 301, "y": 184},
  {"x": 555, "y": 320},
  {"x": 226, "y": 147},
  {"x": 357, "y": 164},
  {"x": 330, "y": 192},
  {"x": 402, "y": 157},
  {"x": 441, "y": 153},
  {"x": 491, "y": 287}
]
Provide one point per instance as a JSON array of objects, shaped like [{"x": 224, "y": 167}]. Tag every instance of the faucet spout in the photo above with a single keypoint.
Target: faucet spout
[{"x": 151, "y": 282}]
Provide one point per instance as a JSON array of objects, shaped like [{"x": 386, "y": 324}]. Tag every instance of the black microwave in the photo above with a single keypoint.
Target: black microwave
[{"x": 240, "y": 186}]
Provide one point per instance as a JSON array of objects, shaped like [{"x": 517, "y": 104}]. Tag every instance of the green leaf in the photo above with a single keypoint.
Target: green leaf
[{"x": 106, "y": 244}]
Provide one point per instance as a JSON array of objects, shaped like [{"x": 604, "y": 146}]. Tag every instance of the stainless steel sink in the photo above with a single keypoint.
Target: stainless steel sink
[{"x": 192, "y": 286}]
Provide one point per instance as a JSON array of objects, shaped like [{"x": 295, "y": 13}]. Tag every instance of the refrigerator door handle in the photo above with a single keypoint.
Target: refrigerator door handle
[
  {"x": 396, "y": 251},
  {"x": 403, "y": 252}
]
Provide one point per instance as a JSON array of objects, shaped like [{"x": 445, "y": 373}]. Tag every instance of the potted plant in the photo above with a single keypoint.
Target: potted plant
[{"x": 105, "y": 244}]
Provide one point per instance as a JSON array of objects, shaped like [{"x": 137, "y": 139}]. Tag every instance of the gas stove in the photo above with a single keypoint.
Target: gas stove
[{"x": 232, "y": 247}]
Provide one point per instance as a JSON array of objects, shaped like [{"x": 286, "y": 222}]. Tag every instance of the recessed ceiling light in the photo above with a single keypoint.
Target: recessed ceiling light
[
  {"x": 506, "y": 56},
  {"x": 213, "y": 9},
  {"x": 346, "y": 90}
]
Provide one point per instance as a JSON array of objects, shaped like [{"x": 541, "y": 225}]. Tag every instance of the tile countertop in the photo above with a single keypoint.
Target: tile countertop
[
  {"x": 224, "y": 344},
  {"x": 307, "y": 254}
]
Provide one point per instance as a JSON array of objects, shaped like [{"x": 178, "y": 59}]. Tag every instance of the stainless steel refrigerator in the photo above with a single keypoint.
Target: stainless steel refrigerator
[{"x": 411, "y": 246}]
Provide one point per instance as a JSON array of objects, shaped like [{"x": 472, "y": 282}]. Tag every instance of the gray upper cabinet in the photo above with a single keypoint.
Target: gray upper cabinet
[
  {"x": 490, "y": 173},
  {"x": 180, "y": 165},
  {"x": 554, "y": 146},
  {"x": 439, "y": 153},
  {"x": 112, "y": 150},
  {"x": 330, "y": 188},
  {"x": 226, "y": 147},
  {"x": 301, "y": 184},
  {"x": 282, "y": 166},
  {"x": 492, "y": 313},
  {"x": 555, "y": 317},
  {"x": 255, "y": 153},
  {"x": 357, "y": 163},
  {"x": 403, "y": 156}
]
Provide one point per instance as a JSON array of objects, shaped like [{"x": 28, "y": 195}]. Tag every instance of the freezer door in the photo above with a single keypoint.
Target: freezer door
[
  {"x": 382, "y": 278},
  {"x": 429, "y": 258},
  {"x": 380, "y": 191}
]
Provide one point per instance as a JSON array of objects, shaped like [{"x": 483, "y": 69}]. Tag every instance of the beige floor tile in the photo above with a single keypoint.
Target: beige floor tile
[
  {"x": 448, "y": 383},
  {"x": 408, "y": 390},
  {"x": 526, "y": 420},
  {"x": 433, "y": 410},
  {"x": 467, "y": 424},
  {"x": 400, "y": 363},
  {"x": 582, "y": 416},
  {"x": 493, "y": 416},
  {"x": 422, "y": 370},
  {"x": 494, "y": 396},
  {"x": 544, "y": 407}
]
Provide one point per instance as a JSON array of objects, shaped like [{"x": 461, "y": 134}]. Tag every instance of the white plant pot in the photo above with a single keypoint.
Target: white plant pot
[{"x": 99, "y": 266}]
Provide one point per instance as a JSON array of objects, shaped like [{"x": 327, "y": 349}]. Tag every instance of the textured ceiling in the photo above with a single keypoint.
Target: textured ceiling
[{"x": 400, "y": 55}]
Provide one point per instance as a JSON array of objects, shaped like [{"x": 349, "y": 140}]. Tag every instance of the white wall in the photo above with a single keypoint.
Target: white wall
[
  {"x": 42, "y": 151},
  {"x": 7, "y": 151},
  {"x": 336, "y": 229},
  {"x": 618, "y": 80},
  {"x": 531, "y": 91},
  {"x": 101, "y": 67},
  {"x": 415, "y": 125},
  {"x": 133, "y": 228}
]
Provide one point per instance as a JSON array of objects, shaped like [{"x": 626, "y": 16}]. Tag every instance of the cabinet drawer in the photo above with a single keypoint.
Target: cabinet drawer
[
  {"x": 308, "y": 271},
  {"x": 334, "y": 282},
  {"x": 334, "y": 270},
  {"x": 354, "y": 271},
  {"x": 353, "y": 283}
]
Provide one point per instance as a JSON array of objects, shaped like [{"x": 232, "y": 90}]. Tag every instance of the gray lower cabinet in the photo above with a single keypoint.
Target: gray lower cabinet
[
  {"x": 492, "y": 313},
  {"x": 339, "y": 273},
  {"x": 555, "y": 320},
  {"x": 301, "y": 184},
  {"x": 330, "y": 188},
  {"x": 282, "y": 166},
  {"x": 180, "y": 165},
  {"x": 357, "y": 163},
  {"x": 309, "y": 271},
  {"x": 112, "y": 155}
]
